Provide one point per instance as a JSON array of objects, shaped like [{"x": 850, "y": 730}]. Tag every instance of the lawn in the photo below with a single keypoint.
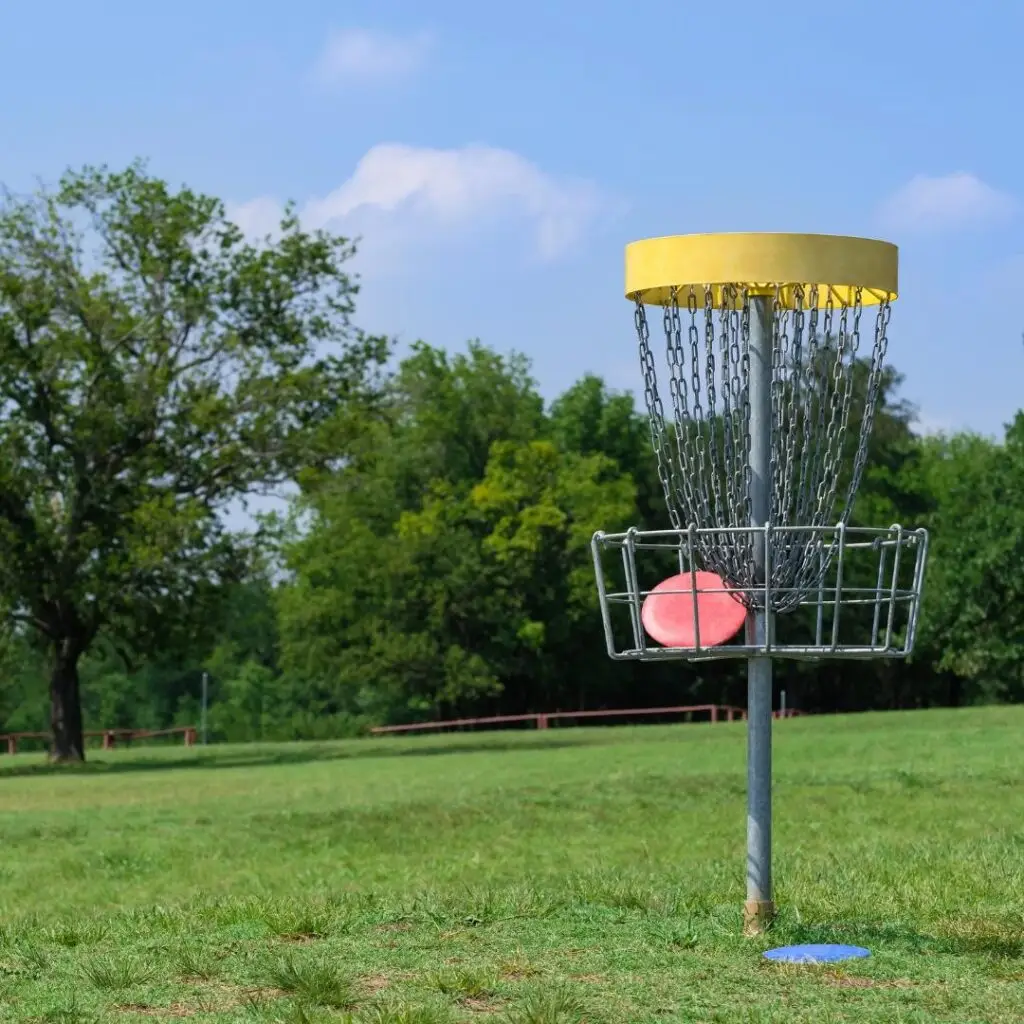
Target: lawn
[{"x": 575, "y": 875}]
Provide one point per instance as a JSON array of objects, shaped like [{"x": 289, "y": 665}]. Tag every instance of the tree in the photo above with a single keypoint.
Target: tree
[
  {"x": 482, "y": 594},
  {"x": 447, "y": 566},
  {"x": 973, "y": 618},
  {"x": 589, "y": 419},
  {"x": 154, "y": 368}
]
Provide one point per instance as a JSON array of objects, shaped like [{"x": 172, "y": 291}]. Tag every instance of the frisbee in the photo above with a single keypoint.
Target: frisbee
[
  {"x": 667, "y": 612},
  {"x": 824, "y": 953}
]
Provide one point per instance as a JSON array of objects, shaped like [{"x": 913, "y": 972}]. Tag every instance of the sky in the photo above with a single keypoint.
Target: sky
[{"x": 495, "y": 159}]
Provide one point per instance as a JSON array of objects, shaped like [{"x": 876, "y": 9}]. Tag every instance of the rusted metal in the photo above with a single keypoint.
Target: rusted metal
[
  {"x": 757, "y": 917},
  {"x": 543, "y": 719},
  {"x": 110, "y": 737}
]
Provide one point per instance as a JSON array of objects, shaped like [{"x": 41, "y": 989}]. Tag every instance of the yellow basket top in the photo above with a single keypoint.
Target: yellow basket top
[{"x": 762, "y": 264}]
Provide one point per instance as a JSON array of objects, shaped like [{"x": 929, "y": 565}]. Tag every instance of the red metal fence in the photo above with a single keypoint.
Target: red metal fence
[
  {"x": 111, "y": 737},
  {"x": 715, "y": 712},
  {"x": 542, "y": 720}
]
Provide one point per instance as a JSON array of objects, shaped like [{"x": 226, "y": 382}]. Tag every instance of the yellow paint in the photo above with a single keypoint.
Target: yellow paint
[{"x": 762, "y": 264}]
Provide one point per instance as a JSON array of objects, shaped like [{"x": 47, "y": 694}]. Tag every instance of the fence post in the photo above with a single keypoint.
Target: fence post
[
  {"x": 542, "y": 721},
  {"x": 12, "y": 744},
  {"x": 205, "y": 702},
  {"x": 714, "y": 712},
  {"x": 190, "y": 737},
  {"x": 108, "y": 740}
]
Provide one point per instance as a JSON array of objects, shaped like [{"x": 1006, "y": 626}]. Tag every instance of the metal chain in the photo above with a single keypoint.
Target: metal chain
[
  {"x": 779, "y": 359},
  {"x": 697, "y": 446},
  {"x": 878, "y": 352},
  {"x": 691, "y": 489},
  {"x": 725, "y": 335},
  {"x": 812, "y": 456},
  {"x": 655, "y": 411},
  {"x": 749, "y": 565},
  {"x": 706, "y": 474},
  {"x": 838, "y": 411},
  {"x": 720, "y": 516},
  {"x": 819, "y": 352}
]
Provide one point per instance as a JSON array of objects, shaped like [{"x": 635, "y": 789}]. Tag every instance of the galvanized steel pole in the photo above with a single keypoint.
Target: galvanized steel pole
[{"x": 759, "y": 908}]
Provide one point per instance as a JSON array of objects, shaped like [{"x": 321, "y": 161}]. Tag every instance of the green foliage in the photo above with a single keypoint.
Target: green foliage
[
  {"x": 975, "y": 610},
  {"x": 590, "y": 419},
  {"x": 155, "y": 367},
  {"x": 434, "y": 581},
  {"x": 406, "y": 600},
  {"x": 570, "y": 875}
]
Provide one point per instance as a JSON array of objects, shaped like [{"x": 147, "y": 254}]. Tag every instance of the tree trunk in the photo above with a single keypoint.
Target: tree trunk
[{"x": 66, "y": 703}]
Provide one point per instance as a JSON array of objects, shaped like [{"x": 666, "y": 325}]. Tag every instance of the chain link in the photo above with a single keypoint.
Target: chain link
[
  {"x": 655, "y": 412},
  {"x": 867, "y": 422},
  {"x": 704, "y": 468},
  {"x": 689, "y": 453}
]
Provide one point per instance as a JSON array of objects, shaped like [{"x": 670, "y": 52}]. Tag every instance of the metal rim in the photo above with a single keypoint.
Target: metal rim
[{"x": 798, "y": 269}]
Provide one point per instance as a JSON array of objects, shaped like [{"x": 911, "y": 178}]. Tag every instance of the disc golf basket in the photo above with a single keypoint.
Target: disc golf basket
[{"x": 772, "y": 396}]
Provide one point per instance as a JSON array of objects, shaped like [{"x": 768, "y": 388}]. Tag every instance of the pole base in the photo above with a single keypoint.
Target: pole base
[{"x": 757, "y": 917}]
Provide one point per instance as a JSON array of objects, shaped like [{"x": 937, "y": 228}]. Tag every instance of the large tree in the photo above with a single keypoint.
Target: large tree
[
  {"x": 447, "y": 568},
  {"x": 973, "y": 618},
  {"x": 155, "y": 367}
]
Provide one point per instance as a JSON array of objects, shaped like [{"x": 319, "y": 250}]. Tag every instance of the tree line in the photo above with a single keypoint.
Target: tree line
[{"x": 156, "y": 367}]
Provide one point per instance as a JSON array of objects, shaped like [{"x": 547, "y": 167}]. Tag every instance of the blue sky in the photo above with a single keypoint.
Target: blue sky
[{"x": 497, "y": 157}]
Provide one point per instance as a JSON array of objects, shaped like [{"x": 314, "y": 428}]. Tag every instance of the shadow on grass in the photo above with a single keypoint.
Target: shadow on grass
[
  {"x": 298, "y": 753},
  {"x": 984, "y": 940}
]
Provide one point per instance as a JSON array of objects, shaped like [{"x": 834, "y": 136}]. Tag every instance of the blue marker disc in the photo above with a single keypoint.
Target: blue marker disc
[{"x": 825, "y": 953}]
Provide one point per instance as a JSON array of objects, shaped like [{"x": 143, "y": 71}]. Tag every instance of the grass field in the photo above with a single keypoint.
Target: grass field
[{"x": 575, "y": 875}]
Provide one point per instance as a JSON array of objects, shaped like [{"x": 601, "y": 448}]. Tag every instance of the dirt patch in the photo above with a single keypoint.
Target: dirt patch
[
  {"x": 518, "y": 969},
  {"x": 480, "y": 1005},
  {"x": 176, "y": 1011},
  {"x": 256, "y": 991},
  {"x": 837, "y": 980},
  {"x": 395, "y": 926}
]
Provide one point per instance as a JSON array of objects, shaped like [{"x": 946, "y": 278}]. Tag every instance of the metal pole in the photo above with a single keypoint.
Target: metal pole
[
  {"x": 759, "y": 908},
  {"x": 782, "y": 704},
  {"x": 206, "y": 691}
]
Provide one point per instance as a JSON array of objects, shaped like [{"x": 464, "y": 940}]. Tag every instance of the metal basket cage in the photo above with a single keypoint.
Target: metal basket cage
[{"x": 864, "y": 604}]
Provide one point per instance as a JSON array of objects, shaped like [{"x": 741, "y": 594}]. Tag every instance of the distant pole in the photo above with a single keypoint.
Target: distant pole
[
  {"x": 782, "y": 704},
  {"x": 205, "y": 700}
]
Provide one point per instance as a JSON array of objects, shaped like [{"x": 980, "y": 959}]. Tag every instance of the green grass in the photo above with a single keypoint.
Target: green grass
[{"x": 522, "y": 878}]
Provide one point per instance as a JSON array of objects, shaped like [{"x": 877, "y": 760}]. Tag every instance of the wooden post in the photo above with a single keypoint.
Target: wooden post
[{"x": 542, "y": 721}]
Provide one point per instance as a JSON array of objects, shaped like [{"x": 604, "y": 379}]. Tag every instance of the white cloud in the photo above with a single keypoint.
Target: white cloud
[
  {"x": 952, "y": 201},
  {"x": 411, "y": 193},
  {"x": 257, "y": 218},
  {"x": 359, "y": 55}
]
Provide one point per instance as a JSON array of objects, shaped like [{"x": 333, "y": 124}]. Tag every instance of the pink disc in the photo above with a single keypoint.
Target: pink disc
[{"x": 668, "y": 617}]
